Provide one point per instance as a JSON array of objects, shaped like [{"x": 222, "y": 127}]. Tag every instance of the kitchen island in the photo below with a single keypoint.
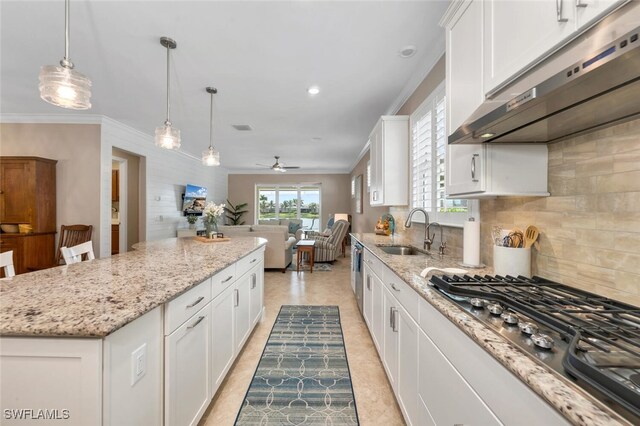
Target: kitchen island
[
  {"x": 460, "y": 361},
  {"x": 144, "y": 337}
]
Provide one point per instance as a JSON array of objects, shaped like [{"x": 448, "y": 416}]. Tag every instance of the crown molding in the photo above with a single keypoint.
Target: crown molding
[{"x": 364, "y": 150}]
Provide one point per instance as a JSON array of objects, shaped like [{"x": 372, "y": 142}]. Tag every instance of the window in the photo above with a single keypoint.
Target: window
[
  {"x": 293, "y": 201},
  {"x": 428, "y": 163}
]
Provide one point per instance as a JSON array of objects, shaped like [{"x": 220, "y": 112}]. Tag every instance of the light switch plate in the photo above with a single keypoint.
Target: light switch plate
[{"x": 138, "y": 364}]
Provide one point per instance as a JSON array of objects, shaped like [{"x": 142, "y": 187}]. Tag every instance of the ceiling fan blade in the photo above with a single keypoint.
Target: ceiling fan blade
[
  {"x": 290, "y": 167},
  {"x": 263, "y": 165}
]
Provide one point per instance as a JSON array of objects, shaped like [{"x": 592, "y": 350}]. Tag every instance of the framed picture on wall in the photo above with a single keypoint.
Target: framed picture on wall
[{"x": 358, "y": 193}]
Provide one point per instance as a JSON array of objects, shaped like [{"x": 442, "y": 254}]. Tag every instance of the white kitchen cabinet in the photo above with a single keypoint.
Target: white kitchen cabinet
[
  {"x": 407, "y": 390},
  {"x": 242, "y": 311},
  {"x": 256, "y": 276},
  {"x": 444, "y": 394},
  {"x": 390, "y": 308},
  {"x": 377, "y": 313},
  {"x": 367, "y": 295},
  {"x": 389, "y": 150},
  {"x": 517, "y": 33},
  {"x": 478, "y": 171},
  {"x": 463, "y": 59},
  {"x": 223, "y": 353},
  {"x": 188, "y": 361}
]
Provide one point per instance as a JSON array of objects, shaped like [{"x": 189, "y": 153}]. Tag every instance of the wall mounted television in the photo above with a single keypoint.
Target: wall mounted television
[{"x": 195, "y": 198}]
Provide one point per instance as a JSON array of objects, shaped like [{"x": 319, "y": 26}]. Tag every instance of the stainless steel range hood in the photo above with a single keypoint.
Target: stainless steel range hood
[{"x": 601, "y": 89}]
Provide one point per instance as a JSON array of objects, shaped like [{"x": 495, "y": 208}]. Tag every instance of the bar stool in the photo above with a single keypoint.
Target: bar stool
[
  {"x": 78, "y": 253},
  {"x": 6, "y": 263}
]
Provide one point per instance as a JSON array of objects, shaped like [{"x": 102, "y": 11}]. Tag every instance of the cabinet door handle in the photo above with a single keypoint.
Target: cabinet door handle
[
  {"x": 227, "y": 279},
  {"x": 393, "y": 286},
  {"x": 236, "y": 298},
  {"x": 559, "y": 11},
  {"x": 394, "y": 322},
  {"x": 200, "y": 299},
  {"x": 473, "y": 167},
  {"x": 580, "y": 4},
  {"x": 253, "y": 261},
  {"x": 391, "y": 317},
  {"x": 253, "y": 281},
  {"x": 198, "y": 321},
  {"x": 368, "y": 282}
]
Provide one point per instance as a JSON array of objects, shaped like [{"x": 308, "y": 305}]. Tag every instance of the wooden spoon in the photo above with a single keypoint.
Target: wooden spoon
[{"x": 531, "y": 236}]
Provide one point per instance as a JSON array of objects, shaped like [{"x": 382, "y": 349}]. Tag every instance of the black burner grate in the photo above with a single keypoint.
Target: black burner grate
[{"x": 603, "y": 334}]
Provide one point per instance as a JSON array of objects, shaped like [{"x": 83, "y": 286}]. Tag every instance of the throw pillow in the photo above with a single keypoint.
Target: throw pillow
[{"x": 293, "y": 227}]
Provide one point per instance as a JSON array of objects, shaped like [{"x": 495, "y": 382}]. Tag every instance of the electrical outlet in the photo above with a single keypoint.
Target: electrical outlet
[{"x": 138, "y": 364}]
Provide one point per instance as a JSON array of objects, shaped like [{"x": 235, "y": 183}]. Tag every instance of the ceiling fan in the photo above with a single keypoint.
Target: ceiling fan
[{"x": 278, "y": 166}]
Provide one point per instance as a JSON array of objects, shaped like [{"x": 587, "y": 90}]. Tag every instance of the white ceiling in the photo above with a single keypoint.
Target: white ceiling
[{"x": 262, "y": 56}]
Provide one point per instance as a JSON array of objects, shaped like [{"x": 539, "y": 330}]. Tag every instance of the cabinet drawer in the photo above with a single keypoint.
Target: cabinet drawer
[
  {"x": 249, "y": 261},
  {"x": 223, "y": 279},
  {"x": 374, "y": 263},
  {"x": 184, "y": 306},
  {"x": 402, "y": 291}
]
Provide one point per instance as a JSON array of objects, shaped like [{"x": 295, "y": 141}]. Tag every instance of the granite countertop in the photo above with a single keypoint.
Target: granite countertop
[
  {"x": 578, "y": 407},
  {"x": 94, "y": 299}
]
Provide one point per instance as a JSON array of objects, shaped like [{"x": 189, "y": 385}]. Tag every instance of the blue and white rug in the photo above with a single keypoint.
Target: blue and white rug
[{"x": 303, "y": 376}]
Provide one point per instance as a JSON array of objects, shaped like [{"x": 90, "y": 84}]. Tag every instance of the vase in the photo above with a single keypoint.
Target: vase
[
  {"x": 192, "y": 226},
  {"x": 212, "y": 227}
]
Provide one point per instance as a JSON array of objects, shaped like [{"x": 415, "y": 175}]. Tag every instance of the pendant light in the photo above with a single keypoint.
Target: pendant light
[
  {"x": 211, "y": 157},
  {"x": 166, "y": 136},
  {"x": 62, "y": 85}
]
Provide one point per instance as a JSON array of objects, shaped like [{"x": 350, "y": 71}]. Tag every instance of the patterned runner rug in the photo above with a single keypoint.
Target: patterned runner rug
[{"x": 303, "y": 376}]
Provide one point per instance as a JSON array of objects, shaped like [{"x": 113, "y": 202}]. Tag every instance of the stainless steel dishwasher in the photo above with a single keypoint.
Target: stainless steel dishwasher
[{"x": 358, "y": 272}]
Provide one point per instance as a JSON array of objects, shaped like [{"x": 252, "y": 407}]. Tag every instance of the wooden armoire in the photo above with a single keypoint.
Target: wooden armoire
[{"x": 28, "y": 196}]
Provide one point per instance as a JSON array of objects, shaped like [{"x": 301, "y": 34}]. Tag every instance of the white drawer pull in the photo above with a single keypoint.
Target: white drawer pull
[{"x": 200, "y": 299}]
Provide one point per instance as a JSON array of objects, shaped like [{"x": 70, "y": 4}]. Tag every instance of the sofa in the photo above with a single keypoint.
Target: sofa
[
  {"x": 294, "y": 225},
  {"x": 279, "y": 248}
]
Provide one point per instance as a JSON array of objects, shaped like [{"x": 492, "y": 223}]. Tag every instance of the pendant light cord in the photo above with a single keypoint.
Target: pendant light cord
[
  {"x": 168, "y": 87},
  {"x": 211, "y": 125}
]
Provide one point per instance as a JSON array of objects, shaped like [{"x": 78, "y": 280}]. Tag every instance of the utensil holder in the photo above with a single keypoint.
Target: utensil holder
[{"x": 512, "y": 261}]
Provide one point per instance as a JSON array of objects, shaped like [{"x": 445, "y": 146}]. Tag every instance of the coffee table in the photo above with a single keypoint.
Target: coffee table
[{"x": 305, "y": 246}]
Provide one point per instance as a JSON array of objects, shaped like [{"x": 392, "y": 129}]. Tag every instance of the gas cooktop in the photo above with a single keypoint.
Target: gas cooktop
[{"x": 590, "y": 339}]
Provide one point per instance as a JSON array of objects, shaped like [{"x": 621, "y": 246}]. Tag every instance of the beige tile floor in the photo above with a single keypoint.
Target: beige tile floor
[{"x": 374, "y": 396}]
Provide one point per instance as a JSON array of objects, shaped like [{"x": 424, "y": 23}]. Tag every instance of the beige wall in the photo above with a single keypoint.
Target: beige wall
[
  {"x": 133, "y": 195},
  {"x": 366, "y": 221},
  {"x": 590, "y": 225},
  {"x": 77, "y": 149},
  {"x": 430, "y": 82},
  {"x": 335, "y": 193}
]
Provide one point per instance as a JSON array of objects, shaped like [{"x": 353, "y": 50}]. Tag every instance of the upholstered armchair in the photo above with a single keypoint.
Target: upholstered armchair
[{"x": 328, "y": 248}]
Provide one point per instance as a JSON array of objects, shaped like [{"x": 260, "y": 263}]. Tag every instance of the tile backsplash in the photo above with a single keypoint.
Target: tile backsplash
[{"x": 590, "y": 225}]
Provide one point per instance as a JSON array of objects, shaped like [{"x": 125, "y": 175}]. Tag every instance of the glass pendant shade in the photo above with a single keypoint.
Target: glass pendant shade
[
  {"x": 167, "y": 137},
  {"x": 61, "y": 85},
  {"x": 65, "y": 87},
  {"x": 210, "y": 157}
]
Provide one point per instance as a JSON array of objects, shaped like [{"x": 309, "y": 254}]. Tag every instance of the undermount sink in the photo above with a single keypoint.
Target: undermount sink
[{"x": 400, "y": 250}]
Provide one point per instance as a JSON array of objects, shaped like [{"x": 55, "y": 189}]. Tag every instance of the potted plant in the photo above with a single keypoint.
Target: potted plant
[
  {"x": 192, "y": 219},
  {"x": 234, "y": 213}
]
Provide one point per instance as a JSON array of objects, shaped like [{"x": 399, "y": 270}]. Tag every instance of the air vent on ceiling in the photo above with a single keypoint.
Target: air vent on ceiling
[{"x": 242, "y": 127}]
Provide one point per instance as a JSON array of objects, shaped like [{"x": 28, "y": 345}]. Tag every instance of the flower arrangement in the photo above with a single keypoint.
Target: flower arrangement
[{"x": 212, "y": 212}]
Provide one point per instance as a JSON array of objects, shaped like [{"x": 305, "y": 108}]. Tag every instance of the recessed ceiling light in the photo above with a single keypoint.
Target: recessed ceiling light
[
  {"x": 313, "y": 90},
  {"x": 407, "y": 51},
  {"x": 487, "y": 135}
]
